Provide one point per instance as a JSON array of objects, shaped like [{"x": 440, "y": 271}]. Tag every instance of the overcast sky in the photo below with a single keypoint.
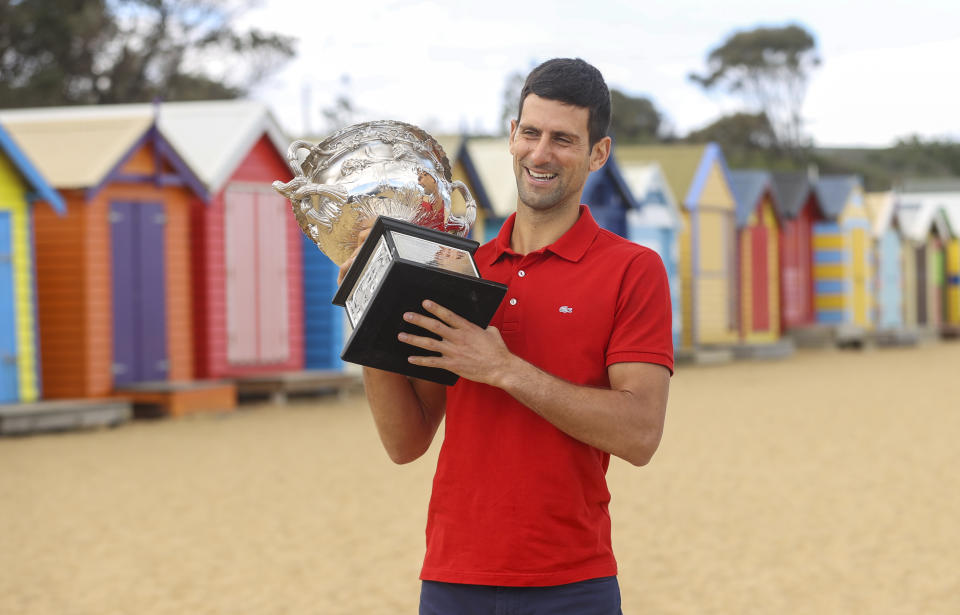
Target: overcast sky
[{"x": 890, "y": 68}]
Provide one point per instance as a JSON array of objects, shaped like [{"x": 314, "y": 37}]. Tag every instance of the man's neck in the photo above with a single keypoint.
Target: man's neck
[{"x": 535, "y": 229}]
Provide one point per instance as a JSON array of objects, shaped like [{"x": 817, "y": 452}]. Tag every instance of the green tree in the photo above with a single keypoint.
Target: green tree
[
  {"x": 768, "y": 68},
  {"x": 61, "y": 52},
  {"x": 634, "y": 119}
]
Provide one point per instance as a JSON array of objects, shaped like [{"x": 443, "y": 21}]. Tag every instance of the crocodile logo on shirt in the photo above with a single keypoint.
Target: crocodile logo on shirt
[{"x": 566, "y": 309}]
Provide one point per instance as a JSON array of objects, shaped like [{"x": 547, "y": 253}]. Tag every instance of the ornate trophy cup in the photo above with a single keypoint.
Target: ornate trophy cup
[{"x": 395, "y": 179}]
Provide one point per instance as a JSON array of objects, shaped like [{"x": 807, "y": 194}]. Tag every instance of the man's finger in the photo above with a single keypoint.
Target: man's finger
[
  {"x": 425, "y": 322},
  {"x": 420, "y": 341},
  {"x": 452, "y": 319}
]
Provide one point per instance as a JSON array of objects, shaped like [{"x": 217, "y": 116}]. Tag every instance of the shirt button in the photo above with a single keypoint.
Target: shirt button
[
  {"x": 521, "y": 273},
  {"x": 513, "y": 301}
]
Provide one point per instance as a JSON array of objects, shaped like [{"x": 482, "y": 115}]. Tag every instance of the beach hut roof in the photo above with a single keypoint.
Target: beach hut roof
[
  {"x": 834, "y": 193},
  {"x": 748, "y": 187},
  {"x": 920, "y": 217},
  {"x": 489, "y": 166},
  {"x": 791, "y": 191},
  {"x": 881, "y": 208},
  {"x": 652, "y": 192},
  {"x": 83, "y": 146},
  {"x": 77, "y": 147},
  {"x": 213, "y": 137},
  {"x": 40, "y": 189},
  {"x": 686, "y": 167}
]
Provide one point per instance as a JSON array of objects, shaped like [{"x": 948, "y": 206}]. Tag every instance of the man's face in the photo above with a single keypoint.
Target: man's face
[{"x": 551, "y": 151}]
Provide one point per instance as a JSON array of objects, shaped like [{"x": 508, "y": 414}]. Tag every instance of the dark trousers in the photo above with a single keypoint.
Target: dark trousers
[{"x": 592, "y": 597}]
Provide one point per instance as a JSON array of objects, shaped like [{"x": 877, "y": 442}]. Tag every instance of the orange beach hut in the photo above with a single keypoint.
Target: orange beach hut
[{"x": 113, "y": 273}]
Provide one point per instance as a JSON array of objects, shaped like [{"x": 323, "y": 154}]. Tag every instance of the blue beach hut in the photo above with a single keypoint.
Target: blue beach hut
[{"x": 609, "y": 198}]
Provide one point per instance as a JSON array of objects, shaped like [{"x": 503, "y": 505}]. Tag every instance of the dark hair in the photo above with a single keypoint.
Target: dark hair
[{"x": 574, "y": 82}]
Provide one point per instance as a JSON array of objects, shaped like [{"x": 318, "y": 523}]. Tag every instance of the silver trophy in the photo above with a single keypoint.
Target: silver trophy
[
  {"x": 383, "y": 168},
  {"x": 394, "y": 179}
]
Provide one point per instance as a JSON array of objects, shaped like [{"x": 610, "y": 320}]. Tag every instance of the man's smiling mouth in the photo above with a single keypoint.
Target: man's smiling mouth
[{"x": 541, "y": 176}]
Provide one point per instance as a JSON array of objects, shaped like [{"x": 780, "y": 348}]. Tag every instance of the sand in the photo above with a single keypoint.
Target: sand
[{"x": 825, "y": 483}]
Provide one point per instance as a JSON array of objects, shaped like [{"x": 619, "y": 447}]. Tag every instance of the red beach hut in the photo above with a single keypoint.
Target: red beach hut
[
  {"x": 798, "y": 208},
  {"x": 113, "y": 274},
  {"x": 247, "y": 257}
]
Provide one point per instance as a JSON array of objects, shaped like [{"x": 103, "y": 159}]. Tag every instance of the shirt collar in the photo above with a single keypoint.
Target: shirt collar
[{"x": 571, "y": 246}]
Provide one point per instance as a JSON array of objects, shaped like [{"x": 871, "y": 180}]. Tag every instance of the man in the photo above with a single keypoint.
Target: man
[{"x": 574, "y": 367}]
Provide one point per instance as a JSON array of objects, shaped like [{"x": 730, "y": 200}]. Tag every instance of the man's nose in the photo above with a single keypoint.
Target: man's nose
[{"x": 541, "y": 151}]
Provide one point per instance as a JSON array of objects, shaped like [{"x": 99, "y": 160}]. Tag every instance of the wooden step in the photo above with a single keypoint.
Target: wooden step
[
  {"x": 178, "y": 398},
  {"x": 280, "y": 385},
  {"x": 63, "y": 414}
]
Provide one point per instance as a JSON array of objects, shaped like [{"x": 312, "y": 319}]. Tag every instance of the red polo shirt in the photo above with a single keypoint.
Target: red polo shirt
[{"x": 515, "y": 500}]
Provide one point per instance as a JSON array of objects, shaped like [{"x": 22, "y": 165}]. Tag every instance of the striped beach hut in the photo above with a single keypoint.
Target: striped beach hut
[
  {"x": 248, "y": 254},
  {"x": 842, "y": 257},
  {"x": 609, "y": 197},
  {"x": 656, "y": 223},
  {"x": 888, "y": 249},
  {"x": 798, "y": 208},
  {"x": 758, "y": 256},
  {"x": 22, "y": 187},
  {"x": 114, "y": 280},
  {"x": 698, "y": 175}
]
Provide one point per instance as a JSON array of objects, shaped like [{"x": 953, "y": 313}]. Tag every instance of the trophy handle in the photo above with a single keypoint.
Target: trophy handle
[{"x": 460, "y": 225}]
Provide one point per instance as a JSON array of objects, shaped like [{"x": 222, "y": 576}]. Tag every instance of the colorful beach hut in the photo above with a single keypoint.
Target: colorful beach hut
[
  {"x": 113, "y": 272},
  {"x": 888, "y": 249},
  {"x": 942, "y": 194},
  {"x": 842, "y": 256},
  {"x": 609, "y": 197},
  {"x": 656, "y": 223},
  {"x": 758, "y": 256},
  {"x": 248, "y": 254},
  {"x": 698, "y": 175},
  {"x": 22, "y": 188},
  {"x": 798, "y": 208}
]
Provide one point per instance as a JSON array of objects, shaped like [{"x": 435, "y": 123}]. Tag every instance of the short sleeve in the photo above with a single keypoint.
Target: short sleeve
[{"x": 643, "y": 329}]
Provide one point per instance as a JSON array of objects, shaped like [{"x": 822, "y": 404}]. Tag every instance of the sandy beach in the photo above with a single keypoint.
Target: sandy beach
[{"x": 825, "y": 483}]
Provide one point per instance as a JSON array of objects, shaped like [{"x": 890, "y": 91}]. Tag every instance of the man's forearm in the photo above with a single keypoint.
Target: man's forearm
[
  {"x": 626, "y": 422},
  {"x": 406, "y": 419}
]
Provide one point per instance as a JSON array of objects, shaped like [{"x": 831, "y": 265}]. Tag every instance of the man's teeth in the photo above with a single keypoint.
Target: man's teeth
[{"x": 541, "y": 175}]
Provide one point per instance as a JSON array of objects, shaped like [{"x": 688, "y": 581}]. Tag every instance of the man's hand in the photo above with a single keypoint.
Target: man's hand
[{"x": 465, "y": 349}]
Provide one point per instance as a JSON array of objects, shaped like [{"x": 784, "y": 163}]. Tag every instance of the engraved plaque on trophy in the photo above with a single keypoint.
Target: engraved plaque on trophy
[{"x": 397, "y": 178}]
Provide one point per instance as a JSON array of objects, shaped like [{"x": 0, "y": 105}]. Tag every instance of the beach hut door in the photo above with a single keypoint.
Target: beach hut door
[
  {"x": 139, "y": 292},
  {"x": 9, "y": 389}
]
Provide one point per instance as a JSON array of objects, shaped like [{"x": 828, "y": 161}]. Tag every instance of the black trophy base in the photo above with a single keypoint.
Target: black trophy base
[{"x": 374, "y": 342}]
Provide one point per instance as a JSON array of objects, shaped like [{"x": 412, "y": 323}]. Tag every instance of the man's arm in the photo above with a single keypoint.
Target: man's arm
[
  {"x": 406, "y": 412},
  {"x": 625, "y": 420}
]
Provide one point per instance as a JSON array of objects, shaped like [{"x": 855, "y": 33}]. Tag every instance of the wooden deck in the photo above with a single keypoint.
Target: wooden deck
[
  {"x": 277, "y": 387},
  {"x": 62, "y": 415},
  {"x": 177, "y": 398}
]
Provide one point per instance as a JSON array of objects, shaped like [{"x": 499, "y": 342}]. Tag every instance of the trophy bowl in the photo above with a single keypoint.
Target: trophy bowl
[{"x": 381, "y": 168}]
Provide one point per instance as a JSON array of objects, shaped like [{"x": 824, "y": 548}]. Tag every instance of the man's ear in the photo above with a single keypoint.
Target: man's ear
[
  {"x": 513, "y": 132},
  {"x": 599, "y": 153}
]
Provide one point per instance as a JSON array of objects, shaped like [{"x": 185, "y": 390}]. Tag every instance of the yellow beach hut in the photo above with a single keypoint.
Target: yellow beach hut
[
  {"x": 698, "y": 175},
  {"x": 21, "y": 187}
]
